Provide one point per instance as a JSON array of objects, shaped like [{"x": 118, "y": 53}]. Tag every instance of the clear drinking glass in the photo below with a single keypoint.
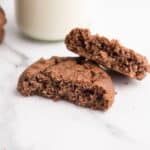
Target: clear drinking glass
[{"x": 51, "y": 19}]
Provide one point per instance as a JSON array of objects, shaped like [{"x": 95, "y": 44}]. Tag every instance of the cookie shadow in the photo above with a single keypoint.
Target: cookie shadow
[{"x": 121, "y": 80}]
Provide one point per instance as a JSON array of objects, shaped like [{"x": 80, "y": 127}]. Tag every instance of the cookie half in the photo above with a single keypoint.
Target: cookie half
[
  {"x": 74, "y": 79},
  {"x": 109, "y": 53}
]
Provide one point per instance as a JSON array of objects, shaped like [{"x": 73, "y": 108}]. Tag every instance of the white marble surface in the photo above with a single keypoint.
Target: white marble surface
[{"x": 35, "y": 123}]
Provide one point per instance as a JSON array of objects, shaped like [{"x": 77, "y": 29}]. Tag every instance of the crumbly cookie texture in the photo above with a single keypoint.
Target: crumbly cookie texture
[
  {"x": 108, "y": 53},
  {"x": 2, "y": 24},
  {"x": 73, "y": 79}
]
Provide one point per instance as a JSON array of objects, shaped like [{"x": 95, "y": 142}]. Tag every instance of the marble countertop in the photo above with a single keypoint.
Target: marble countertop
[{"x": 35, "y": 123}]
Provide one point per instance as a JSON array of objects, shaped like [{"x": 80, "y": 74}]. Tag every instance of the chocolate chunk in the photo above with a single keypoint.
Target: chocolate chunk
[
  {"x": 108, "y": 53},
  {"x": 73, "y": 79}
]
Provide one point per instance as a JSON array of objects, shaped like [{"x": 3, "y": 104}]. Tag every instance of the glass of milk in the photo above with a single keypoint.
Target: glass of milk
[{"x": 51, "y": 20}]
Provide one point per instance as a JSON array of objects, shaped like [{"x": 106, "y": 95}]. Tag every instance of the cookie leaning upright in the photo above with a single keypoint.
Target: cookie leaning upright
[
  {"x": 73, "y": 79},
  {"x": 108, "y": 53},
  {"x": 2, "y": 24}
]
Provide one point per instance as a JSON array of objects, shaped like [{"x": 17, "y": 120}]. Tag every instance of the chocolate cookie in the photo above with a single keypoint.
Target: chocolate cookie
[
  {"x": 109, "y": 53},
  {"x": 2, "y": 33},
  {"x": 2, "y": 23},
  {"x": 74, "y": 79},
  {"x": 2, "y": 18}
]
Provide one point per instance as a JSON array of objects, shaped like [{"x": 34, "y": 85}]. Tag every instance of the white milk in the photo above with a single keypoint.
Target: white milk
[{"x": 51, "y": 19}]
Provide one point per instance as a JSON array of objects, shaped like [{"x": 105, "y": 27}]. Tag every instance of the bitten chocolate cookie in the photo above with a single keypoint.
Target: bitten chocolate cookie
[
  {"x": 74, "y": 79},
  {"x": 109, "y": 53}
]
